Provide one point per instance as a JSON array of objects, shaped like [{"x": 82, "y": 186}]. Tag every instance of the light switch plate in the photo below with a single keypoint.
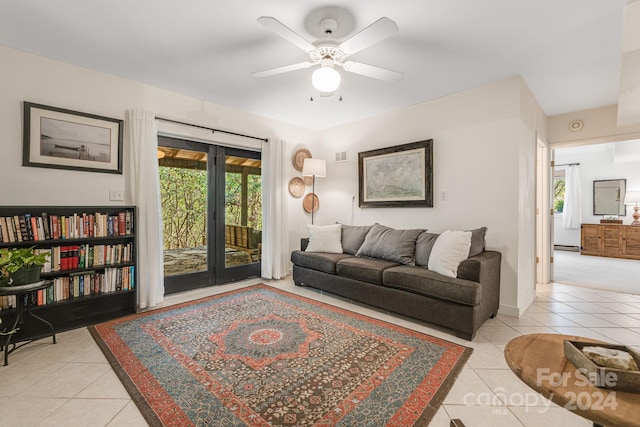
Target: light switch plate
[{"x": 116, "y": 195}]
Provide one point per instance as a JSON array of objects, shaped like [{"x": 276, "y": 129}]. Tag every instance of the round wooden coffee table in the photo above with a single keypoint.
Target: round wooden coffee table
[{"x": 538, "y": 360}]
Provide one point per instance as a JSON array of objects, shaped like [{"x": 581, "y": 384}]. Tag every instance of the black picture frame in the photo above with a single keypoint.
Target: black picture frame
[
  {"x": 398, "y": 176},
  {"x": 65, "y": 139}
]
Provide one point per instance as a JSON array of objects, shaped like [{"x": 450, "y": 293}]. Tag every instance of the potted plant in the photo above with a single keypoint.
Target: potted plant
[{"x": 20, "y": 266}]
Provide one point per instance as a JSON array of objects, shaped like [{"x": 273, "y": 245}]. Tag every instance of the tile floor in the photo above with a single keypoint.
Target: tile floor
[{"x": 71, "y": 384}]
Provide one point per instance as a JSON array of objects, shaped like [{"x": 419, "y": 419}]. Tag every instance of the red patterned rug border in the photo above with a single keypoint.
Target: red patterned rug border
[{"x": 432, "y": 390}]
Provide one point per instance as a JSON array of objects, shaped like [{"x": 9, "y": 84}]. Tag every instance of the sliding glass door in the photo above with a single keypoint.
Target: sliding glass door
[
  {"x": 242, "y": 207},
  {"x": 212, "y": 213}
]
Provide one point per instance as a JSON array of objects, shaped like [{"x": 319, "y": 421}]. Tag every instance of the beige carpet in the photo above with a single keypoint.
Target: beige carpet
[{"x": 611, "y": 274}]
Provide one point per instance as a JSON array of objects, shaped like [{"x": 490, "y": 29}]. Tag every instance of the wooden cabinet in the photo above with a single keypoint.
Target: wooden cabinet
[
  {"x": 590, "y": 239},
  {"x": 92, "y": 252},
  {"x": 610, "y": 240},
  {"x": 632, "y": 242}
]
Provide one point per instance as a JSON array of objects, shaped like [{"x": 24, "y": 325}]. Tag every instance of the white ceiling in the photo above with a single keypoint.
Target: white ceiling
[
  {"x": 568, "y": 51},
  {"x": 618, "y": 152}
]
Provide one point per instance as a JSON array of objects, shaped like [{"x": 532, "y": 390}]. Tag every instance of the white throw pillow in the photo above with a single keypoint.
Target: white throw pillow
[
  {"x": 325, "y": 238},
  {"x": 449, "y": 250}
]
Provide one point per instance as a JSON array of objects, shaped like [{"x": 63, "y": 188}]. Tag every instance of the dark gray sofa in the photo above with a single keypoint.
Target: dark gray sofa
[{"x": 461, "y": 303}]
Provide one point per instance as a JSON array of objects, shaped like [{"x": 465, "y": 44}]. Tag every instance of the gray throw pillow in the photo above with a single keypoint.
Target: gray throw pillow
[
  {"x": 424, "y": 244},
  {"x": 477, "y": 241},
  {"x": 353, "y": 237},
  {"x": 390, "y": 244}
]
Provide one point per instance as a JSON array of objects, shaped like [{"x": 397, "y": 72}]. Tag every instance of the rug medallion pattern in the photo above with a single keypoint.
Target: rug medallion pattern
[{"x": 264, "y": 357}]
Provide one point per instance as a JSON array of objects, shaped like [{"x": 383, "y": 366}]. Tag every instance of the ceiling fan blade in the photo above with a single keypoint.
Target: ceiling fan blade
[
  {"x": 286, "y": 33},
  {"x": 373, "y": 71},
  {"x": 374, "y": 33},
  {"x": 283, "y": 69}
]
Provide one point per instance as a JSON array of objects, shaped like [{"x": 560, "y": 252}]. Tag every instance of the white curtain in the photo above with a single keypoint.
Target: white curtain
[
  {"x": 143, "y": 191},
  {"x": 275, "y": 247},
  {"x": 571, "y": 217}
]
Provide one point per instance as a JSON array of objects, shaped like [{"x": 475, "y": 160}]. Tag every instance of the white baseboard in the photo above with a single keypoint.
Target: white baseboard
[
  {"x": 512, "y": 311},
  {"x": 509, "y": 310}
]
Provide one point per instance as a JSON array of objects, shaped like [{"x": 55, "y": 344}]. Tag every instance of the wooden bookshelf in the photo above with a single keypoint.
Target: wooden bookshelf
[{"x": 92, "y": 262}]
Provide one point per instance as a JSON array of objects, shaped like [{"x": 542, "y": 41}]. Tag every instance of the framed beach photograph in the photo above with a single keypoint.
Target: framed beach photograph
[
  {"x": 65, "y": 139},
  {"x": 401, "y": 175}
]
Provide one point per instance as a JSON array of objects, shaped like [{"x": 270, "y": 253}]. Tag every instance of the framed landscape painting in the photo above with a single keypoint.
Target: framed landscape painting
[
  {"x": 401, "y": 175},
  {"x": 65, "y": 139}
]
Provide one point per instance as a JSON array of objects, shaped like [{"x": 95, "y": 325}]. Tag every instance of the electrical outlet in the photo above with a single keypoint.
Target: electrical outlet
[
  {"x": 116, "y": 195},
  {"x": 443, "y": 195}
]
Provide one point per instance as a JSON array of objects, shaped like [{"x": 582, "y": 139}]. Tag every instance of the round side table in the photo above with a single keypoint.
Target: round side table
[
  {"x": 539, "y": 361},
  {"x": 22, "y": 292}
]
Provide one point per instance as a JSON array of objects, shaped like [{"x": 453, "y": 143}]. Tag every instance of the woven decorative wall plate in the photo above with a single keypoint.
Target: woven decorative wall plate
[
  {"x": 298, "y": 158},
  {"x": 309, "y": 204},
  {"x": 296, "y": 187}
]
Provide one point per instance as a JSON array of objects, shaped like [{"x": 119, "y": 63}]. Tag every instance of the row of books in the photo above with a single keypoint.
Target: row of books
[
  {"x": 69, "y": 257},
  {"x": 33, "y": 228},
  {"x": 74, "y": 286}
]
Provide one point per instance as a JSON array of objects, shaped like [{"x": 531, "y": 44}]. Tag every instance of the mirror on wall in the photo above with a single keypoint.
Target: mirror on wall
[{"x": 608, "y": 197}]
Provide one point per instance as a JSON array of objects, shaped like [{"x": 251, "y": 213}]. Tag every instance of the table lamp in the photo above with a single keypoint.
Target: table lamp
[{"x": 633, "y": 198}]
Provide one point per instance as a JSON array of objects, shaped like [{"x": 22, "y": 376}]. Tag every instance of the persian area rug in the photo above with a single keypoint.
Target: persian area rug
[{"x": 260, "y": 356}]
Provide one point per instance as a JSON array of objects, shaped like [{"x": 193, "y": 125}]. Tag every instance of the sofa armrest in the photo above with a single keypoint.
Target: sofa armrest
[
  {"x": 304, "y": 242},
  {"x": 482, "y": 268}
]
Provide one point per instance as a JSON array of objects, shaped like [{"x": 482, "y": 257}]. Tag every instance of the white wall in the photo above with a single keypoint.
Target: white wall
[
  {"x": 484, "y": 160},
  {"x": 27, "y": 77},
  {"x": 484, "y": 155},
  {"x": 597, "y": 162}
]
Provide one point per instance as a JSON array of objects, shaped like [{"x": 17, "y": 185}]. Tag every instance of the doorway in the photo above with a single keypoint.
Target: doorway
[
  {"x": 602, "y": 162},
  {"x": 211, "y": 213}
]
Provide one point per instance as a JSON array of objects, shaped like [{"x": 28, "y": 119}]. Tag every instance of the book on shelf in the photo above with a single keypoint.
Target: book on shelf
[
  {"x": 23, "y": 228},
  {"x": 128, "y": 222},
  {"x": 5, "y": 229},
  {"x": 45, "y": 225},
  {"x": 122, "y": 224},
  {"x": 6, "y": 222},
  {"x": 27, "y": 222},
  {"x": 46, "y": 268},
  {"x": 64, "y": 258},
  {"x": 55, "y": 230},
  {"x": 75, "y": 257},
  {"x": 16, "y": 226},
  {"x": 41, "y": 232},
  {"x": 34, "y": 228}
]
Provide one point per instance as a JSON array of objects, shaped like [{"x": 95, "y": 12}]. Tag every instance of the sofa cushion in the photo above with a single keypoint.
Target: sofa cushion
[
  {"x": 477, "y": 241},
  {"x": 353, "y": 236},
  {"x": 449, "y": 250},
  {"x": 390, "y": 244},
  {"x": 425, "y": 282},
  {"x": 325, "y": 238},
  {"x": 320, "y": 261},
  {"x": 424, "y": 244},
  {"x": 367, "y": 270}
]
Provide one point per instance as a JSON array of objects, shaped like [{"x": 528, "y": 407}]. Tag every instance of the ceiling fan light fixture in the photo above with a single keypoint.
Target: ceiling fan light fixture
[{"x": 326, "y": 79}]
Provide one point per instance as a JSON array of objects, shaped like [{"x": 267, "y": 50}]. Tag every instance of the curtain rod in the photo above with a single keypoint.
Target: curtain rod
[
  {"x": 211, "y": 129},
  {"x": 568, "y": 164}
]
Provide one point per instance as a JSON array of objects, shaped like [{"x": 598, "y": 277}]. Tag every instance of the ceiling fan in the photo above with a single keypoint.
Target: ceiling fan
[{"x": 329, "y": 52}]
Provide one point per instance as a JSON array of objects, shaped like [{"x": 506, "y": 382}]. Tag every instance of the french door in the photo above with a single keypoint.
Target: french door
[{"x": 211, "y": 212}]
